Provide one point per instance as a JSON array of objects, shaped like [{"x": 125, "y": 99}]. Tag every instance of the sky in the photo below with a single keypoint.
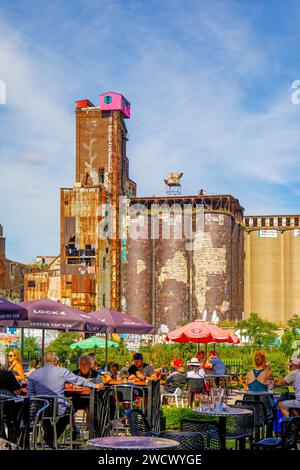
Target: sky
[{"x": 210, "y": 87}]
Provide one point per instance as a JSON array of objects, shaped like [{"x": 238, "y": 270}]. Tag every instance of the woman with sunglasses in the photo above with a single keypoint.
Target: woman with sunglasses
[{"x": 15, "y": 364}]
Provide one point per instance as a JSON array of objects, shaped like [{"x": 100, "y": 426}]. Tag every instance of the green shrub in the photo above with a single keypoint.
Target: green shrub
[{"x": 171, "y": 417}]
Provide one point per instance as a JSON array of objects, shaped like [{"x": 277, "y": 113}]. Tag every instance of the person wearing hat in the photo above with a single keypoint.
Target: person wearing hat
[
  {"x": 196, "y": 370},
  {"x": 293, "y": 378},
  {"x": 176, "y": 379},
  {"x": 195, "y": 379},
  {"x": 141, "y": 370}
]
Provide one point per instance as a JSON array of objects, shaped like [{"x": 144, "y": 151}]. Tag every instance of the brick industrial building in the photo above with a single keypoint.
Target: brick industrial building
[
  {"x": 11, "y": 274},
  {"x": 165, "y": 280}
]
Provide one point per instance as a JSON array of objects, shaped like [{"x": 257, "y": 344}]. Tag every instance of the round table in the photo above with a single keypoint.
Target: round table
[
  {"x": 133, "y": 443},
  {"x": 225, "y": 413}
]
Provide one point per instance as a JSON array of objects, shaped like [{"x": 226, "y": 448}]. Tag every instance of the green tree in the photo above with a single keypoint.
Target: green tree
[
  {"x": 31, "y": 347},
  {"x": 291, "y": 334},
  {"x": 61, "y": 345},
  {"x": 262, "y": 333}
]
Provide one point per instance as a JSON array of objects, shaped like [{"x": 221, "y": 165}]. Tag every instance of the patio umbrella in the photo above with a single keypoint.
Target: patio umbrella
[
  {"x": 200, "y": 332},
  {"x": 11, "y": 311},
  {"x": 47, "y": 314},
  {"x": 120, "y": 322},
  {"x": 94, "y": 342}
]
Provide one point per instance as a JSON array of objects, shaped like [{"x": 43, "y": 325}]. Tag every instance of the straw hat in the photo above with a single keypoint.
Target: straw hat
[{"x": 194, "y": 362}]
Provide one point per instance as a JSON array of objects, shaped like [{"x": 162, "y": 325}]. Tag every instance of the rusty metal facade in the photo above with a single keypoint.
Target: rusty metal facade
[
  {"x": 82, "y": 252},
  {"x": 43, "y": 281},
  {"x": 170, "y": 281},
  {"x": 91, "y": 278}
]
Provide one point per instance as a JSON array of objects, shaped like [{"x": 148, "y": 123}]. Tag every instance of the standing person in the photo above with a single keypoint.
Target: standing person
[
  {"x": 15, "y": 364},
  {"x": 141, "y": 370},
  {"x": 293, "y": 378},
  {"x": 51, "y": 380},
  {"x": 257, "y": 379}
]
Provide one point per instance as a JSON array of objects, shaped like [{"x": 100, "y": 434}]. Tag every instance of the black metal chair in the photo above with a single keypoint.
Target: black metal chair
[
  {"x": 188, "y": 440},
  {"x": 101, "y": 412},
  {"x": 288, "y": 439},
  {"x": 241, "y": 427},
  {"x": 52, "y": 418},
  {"x": 210, "y": 430},
  {"x": 30, "y": 423},
  {"x": 260, "y": 415},
  {"x": 138, "y": 423},
  {"x": 294, "y": 412},
  {"x": 195, "y": 386},
  {"x": 8, "y": 418},
  {"x": 126, "y": 398},
  {"x": 270, "y": 414}
]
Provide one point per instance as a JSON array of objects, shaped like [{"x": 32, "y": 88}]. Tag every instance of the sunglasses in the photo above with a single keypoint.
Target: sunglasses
[{"x": 11, "y": 355}]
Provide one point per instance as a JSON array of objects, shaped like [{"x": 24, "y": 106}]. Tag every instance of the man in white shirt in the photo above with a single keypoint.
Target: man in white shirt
[{"x": 291, "y": 379}]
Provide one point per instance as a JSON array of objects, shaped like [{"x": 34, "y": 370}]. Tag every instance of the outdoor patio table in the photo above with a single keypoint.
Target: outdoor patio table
[
  {"x": 224, "y": 414},
  {"x": 133, "y": 443}
]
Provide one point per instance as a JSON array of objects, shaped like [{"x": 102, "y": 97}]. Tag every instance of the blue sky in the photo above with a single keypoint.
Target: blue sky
[{"x": 210, "y": 88}]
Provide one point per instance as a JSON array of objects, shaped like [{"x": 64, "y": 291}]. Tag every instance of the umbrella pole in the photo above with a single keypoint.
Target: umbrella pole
[
  {"x": 43, "y": 345},
  {"x": 22, "y": 344},
  {"x": 106, "y": 353}
]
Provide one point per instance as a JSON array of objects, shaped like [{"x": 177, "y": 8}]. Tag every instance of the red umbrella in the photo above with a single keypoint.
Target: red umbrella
[{"x": 200, "y": 332}]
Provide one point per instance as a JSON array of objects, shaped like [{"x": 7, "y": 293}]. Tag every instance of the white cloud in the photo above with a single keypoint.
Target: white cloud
[{"x": 201, "y": 83}]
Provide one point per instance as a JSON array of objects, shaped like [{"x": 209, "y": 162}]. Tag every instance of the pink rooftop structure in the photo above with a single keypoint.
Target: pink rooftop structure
[{"x": 110, "y": 101}]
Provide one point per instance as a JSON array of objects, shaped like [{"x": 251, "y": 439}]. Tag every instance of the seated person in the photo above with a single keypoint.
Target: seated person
[
  {"x": 258, "y": 378},
  {"x": 177, "y": 378},
  {"x": 9, "y": 385},
  {"x": 195, "y": 379},
  {"x": 15, "y": 364},
  {"x": 215, "y": 364},
  {"x": 86, "y": 368},
  {"x": 201, "y": 357},
  {"x": 95, "y": 365},
  {"x": 51, "y": 380},
  {"x": 141, "y": 370},
  {"x": 124, "y": 371},
  {"x": 293, "y": 378},
  {"x": 195, "y": 369},
  {"x": 32, "y": 367},
  {"x": 114, "y": 371}
]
